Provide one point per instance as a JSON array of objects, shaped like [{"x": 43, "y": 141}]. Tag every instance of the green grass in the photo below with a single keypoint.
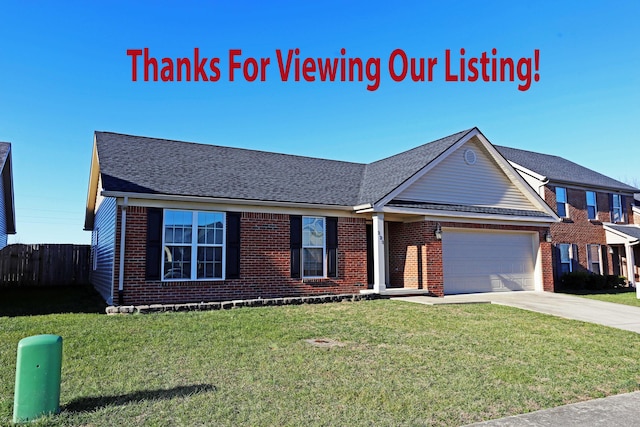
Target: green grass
[
  {"x": 627, "y": 298},
  {"x": 401, "y": 364}
]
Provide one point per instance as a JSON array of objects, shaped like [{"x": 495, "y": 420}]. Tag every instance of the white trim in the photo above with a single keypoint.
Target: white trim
[
  {"x": 616, "y": 237},
  {"x": 379, "y": 261},
  {"x": 222, "y": 200},
  {"x": 194, "y": 245},
  {"x": 323, "y": 247},
  {"x": 312, "y": 210},
  {"x": 529, "y": 172},
  {"x": 502, "y": 163},
  {"x": 467, "y": 216}
]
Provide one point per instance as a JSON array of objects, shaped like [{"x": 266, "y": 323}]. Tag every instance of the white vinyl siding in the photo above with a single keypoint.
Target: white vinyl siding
[
  {"x": 456, "y": 181},
  {"x": 103, "y": 247},
  {"x": 488, "y": 261},
  {"x": 3, "y": 219}
]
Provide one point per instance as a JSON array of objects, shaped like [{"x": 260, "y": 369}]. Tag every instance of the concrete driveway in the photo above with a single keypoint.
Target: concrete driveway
[{"x": 568, "y": 306}]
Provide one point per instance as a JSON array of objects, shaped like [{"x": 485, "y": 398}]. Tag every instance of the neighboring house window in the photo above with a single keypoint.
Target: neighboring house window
[
  {"x": 592, "y": 207},
  {"x": 561, "y": 201},
  {"x": 616, "y": 208},
  {"x": 313, "y": 246},
  {"x": 593, "y": 255},
  {"x": 566, "y": 257},
  {"x": 193, "y": 245}
]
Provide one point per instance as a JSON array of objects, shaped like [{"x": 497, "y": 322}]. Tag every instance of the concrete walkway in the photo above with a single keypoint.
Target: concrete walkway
[
  {"x": 615, "y": 411},
  {"x": 562, "y": 305}
]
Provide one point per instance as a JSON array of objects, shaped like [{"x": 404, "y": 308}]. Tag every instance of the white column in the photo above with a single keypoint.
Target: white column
[
  {"x": 631, "y": 263},
  {"x": 378, "y": 253}
]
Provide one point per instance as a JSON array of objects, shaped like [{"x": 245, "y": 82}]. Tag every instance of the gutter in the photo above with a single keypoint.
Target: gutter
[{"x": 123, "y": 227}]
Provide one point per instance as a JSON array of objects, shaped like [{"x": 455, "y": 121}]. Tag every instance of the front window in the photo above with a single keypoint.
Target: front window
[
  {"x": 313, "y": 246},
  {"x": 593, "y": 252},
  {"x": 561, "y": 201},
  {"x": 592, "y": 209},
  {"x": 193, "y": 245},
  {"x": 565, "y": 258},
  {"x": 617, "y": 208}
]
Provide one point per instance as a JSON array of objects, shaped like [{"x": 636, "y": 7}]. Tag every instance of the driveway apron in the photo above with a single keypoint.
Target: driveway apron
[{"x": 562, "y": 305}]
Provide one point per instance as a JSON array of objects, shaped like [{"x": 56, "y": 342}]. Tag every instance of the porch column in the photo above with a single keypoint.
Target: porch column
[
  {"x": 378, "y": 253},
  {"x": 631, "y": 264}
]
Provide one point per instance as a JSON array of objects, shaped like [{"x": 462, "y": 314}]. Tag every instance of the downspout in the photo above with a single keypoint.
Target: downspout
[{"x": 123, "y": 227}]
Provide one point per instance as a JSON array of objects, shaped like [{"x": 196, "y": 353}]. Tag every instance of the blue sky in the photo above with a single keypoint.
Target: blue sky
[{"x": 65, "y": 73}]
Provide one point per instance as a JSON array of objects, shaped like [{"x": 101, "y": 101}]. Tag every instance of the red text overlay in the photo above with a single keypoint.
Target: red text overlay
[{"x": 292, "y": 66}]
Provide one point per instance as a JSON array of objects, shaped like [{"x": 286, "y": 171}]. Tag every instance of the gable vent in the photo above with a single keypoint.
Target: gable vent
[{"x": 470, "y": 157}]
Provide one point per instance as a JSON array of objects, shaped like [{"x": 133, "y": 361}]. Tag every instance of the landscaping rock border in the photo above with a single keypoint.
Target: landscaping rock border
[{"x": 226, "y": 305}]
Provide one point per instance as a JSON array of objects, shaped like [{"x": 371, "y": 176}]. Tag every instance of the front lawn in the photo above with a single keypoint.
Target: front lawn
[
  {"x": 394, "y": 363},
  {"x": 628, "y": 298}
]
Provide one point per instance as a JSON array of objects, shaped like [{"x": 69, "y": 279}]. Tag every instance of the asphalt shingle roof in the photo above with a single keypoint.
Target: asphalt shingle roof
[
  {"x": 159, "y": 166},
  {"x": 558, "y": 169},
  {"x": 383, "y": 176},
  {"x": 4, "y": 150},
  {"x": 629, "y": 230}
]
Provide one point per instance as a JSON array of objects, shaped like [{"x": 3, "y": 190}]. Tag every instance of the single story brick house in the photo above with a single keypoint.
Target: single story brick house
[
  {"x": 7, "y": 210},
  {"x": 177, "y": 222}
]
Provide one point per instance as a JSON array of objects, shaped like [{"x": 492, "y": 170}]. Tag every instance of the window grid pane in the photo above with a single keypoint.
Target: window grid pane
[
  {"x": 313, "y": 244},
  {"x": 206, "y": 248},
  {"x": 591, "y": 205}
]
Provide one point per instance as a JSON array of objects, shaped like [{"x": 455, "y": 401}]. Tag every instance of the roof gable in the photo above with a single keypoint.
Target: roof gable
[
  {"x": 384, "y": 176},
  {"x": 468, "y": 176},
  {"x": 559, "y": 169}
]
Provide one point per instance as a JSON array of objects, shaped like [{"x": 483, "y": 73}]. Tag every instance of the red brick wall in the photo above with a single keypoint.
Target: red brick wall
[
  {"x": 415, "y": 256},
  {"x": 264, "y": 265},
  {"x": 579, "y": 230}
]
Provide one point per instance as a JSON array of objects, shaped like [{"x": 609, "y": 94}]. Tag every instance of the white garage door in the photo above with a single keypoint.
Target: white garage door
[{"x": 483, "y": 261}]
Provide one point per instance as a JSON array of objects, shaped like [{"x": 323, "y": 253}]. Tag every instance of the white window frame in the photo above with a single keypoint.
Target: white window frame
[
  {"x": 617, "y": 209},
  {"x": 323, "y": 247},
  {"x": 594, "y": 206},
  {"x": 564, "y": 202},
  {"x": 570, "y": 252},
  {"x": 194, "y": 245},
  {"x": 590, "y": 260}
]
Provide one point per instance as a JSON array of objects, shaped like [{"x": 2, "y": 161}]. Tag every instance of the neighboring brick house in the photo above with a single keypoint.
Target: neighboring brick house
[
  {"x": 182, "y": 222},
  {"x": 600, "y": 230},
  {"x": 7, "y": 211}
]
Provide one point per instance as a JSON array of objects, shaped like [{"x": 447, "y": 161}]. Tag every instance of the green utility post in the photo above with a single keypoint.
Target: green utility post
[{"x": 38, "y": 373}]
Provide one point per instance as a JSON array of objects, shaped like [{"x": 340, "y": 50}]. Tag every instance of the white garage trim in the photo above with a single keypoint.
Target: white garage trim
[{"x": 476, "y": 260}]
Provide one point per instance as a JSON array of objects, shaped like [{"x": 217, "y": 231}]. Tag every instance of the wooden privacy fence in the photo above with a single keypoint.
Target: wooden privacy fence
[{"x": 44, "y": 265}]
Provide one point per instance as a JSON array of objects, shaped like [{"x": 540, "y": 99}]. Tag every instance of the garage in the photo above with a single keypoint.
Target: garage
[{"x": 488, "y": 261}]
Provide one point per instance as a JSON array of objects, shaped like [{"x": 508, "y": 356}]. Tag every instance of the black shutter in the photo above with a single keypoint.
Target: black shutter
[
  {"x": 332, "y": 247},
  {"x": 611, "y": 207},
  {"x": 233, "y": 246},
  {"x": 575, "y": 259},
  {"x": 295, "y": 239},
  {"x": 154, "y": 243},
  {"x": 557, "y": 262}
]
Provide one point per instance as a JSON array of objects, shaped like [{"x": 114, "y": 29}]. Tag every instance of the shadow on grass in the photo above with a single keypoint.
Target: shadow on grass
[
  {"x": 31, "y": 301},
  {"x": 86, "y": 404}
]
